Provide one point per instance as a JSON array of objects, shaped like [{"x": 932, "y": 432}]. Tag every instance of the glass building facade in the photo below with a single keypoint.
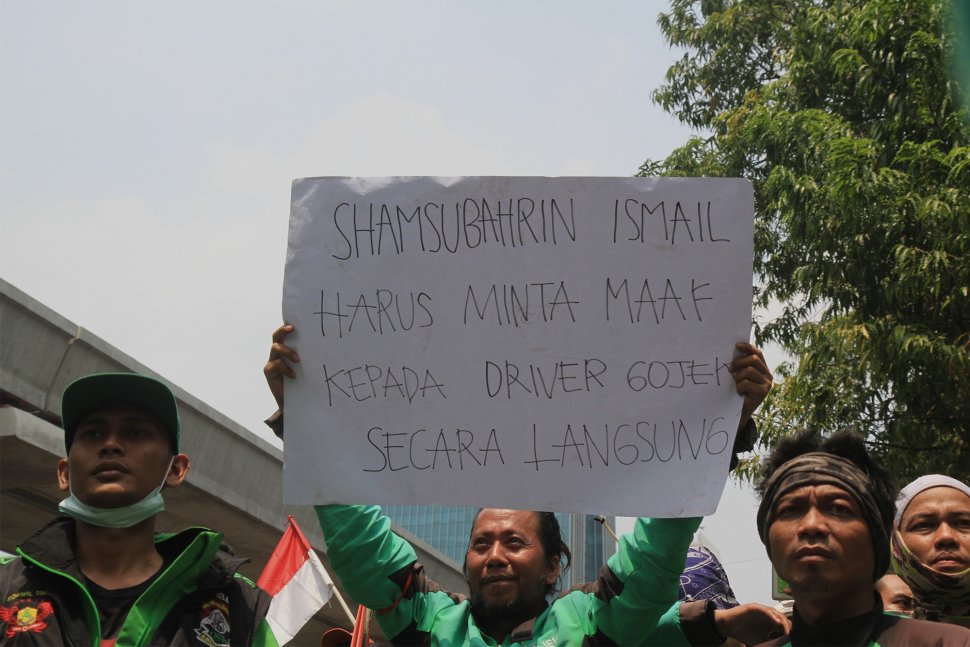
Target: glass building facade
[{"x": 446, "y": 528}]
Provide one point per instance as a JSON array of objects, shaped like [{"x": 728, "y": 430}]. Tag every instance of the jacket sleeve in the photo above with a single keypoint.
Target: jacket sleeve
[
  {"x": 687, "y": 624},
  {"x": 647, "y": 568},
  {"x": 378, "y": 569}
]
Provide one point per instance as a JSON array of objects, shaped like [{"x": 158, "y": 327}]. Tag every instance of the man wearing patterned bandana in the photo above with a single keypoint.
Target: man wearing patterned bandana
[
  {"x": 825, "y": 517},
  {"x": 931, "y": 546},
  {"x": 100, "y": 575}
]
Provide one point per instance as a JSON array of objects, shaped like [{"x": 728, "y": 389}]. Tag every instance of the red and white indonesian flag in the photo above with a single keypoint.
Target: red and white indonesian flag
[{"x": 297, "y": 581}]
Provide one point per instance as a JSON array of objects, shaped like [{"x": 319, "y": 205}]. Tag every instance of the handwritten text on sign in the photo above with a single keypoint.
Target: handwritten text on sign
[{"x": 537, "y": 343}]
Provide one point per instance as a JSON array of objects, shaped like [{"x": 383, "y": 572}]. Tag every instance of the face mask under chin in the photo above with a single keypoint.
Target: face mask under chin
[{"x": 122, "y": 517}]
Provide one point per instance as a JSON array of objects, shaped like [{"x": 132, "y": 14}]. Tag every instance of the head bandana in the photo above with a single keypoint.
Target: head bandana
[
  {"x": 822, "y": 468},
  {"x": 944, "y": 597},
  {"x": 704, "y": 579}
]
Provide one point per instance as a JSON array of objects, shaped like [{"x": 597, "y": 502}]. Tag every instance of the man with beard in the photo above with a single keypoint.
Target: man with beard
[
  {"x": 512, "y": 563},
  {"x": 825, "y": 517},
  {"x": 505, "y": 578}
]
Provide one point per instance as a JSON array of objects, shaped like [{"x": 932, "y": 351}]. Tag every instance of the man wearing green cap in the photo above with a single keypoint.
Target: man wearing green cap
[{"x": 100, "y": 575}]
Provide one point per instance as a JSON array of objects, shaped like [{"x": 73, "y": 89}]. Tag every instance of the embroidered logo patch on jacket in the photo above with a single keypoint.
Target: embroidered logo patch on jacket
[
  {"x": 25, "y": 615},
  {"x": 213, "y": 629}
]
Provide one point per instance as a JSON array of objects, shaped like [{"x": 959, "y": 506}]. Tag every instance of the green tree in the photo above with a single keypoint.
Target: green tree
[{"x": 843, "y": 115}]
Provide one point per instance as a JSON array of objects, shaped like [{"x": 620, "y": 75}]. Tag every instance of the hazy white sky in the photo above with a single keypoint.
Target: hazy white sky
[{"x": 147, "y": 149}]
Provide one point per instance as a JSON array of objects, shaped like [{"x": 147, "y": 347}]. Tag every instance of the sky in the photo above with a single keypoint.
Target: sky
[{"x": 147, "y": 151}]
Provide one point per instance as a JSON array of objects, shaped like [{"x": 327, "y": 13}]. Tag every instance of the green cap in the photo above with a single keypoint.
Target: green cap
[{"x": 94, "y": 391}]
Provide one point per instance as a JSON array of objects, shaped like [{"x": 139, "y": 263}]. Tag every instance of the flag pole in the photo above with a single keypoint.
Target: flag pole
[
  {"x": 343, "y": 603},
  {"x": 602, "y": 521},
  {"x": 360, "y": 627}
]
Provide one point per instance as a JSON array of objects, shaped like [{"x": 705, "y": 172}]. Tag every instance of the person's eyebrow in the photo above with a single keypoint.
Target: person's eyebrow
[
  {"x": 834, "y": 496},
  {"x": 931, "y": 515}
]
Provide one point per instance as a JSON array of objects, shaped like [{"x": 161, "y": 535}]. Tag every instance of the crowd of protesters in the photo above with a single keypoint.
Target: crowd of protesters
[
  {"x": 863, "y": 565},
  {"x": 828, "y": 519}
]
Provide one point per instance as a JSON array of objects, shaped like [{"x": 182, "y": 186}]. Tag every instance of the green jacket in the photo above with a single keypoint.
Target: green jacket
[
  {"x": 622, "y": 607},
  {"x": 198, "y": 599}
]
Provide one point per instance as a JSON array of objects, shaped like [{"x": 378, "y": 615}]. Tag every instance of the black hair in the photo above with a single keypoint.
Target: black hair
[
  {"x": 845, "y": 443},
  {"x": 550, "y": 538}
]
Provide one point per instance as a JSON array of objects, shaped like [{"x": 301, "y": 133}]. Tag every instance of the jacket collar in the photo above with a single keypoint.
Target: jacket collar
[
  {"x": 858, "y": 630},
  {"x": 53, "y": 546}
]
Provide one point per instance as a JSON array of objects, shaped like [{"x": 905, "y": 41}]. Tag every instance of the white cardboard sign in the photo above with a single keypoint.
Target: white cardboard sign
[{"x": 525, "y": 342}]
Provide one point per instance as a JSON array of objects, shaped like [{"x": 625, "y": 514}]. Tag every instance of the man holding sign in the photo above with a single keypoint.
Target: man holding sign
[
  {"x": 514, "y": 560},
  {"x": 530, "y": 342}
]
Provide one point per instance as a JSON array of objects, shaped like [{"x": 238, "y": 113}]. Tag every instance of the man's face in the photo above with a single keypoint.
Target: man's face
[
  {"x": 936, "y": 529},
  {"x": 896, "y": 594},
  {"x": 120, "y": 454},
  {"x": 506, "y": 567},
  {"x": 820, "y": 543}
]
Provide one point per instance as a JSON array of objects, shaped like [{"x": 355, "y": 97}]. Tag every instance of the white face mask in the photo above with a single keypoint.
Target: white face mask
[{"x": 123, "y": 517}]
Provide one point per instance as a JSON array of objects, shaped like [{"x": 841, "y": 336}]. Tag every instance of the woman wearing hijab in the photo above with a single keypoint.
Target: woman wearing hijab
[{"x": 931, "y": 546}]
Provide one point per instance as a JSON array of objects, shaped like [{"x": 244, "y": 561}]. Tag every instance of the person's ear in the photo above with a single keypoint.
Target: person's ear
[
  {"x": 554, "y": 569},
  {"x": 63, "y": 475},
  {"x": 178, "y": 471}
]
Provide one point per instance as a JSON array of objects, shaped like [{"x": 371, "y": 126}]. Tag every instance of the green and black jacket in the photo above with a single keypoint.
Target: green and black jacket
[{"x": 197, "y": 600}]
